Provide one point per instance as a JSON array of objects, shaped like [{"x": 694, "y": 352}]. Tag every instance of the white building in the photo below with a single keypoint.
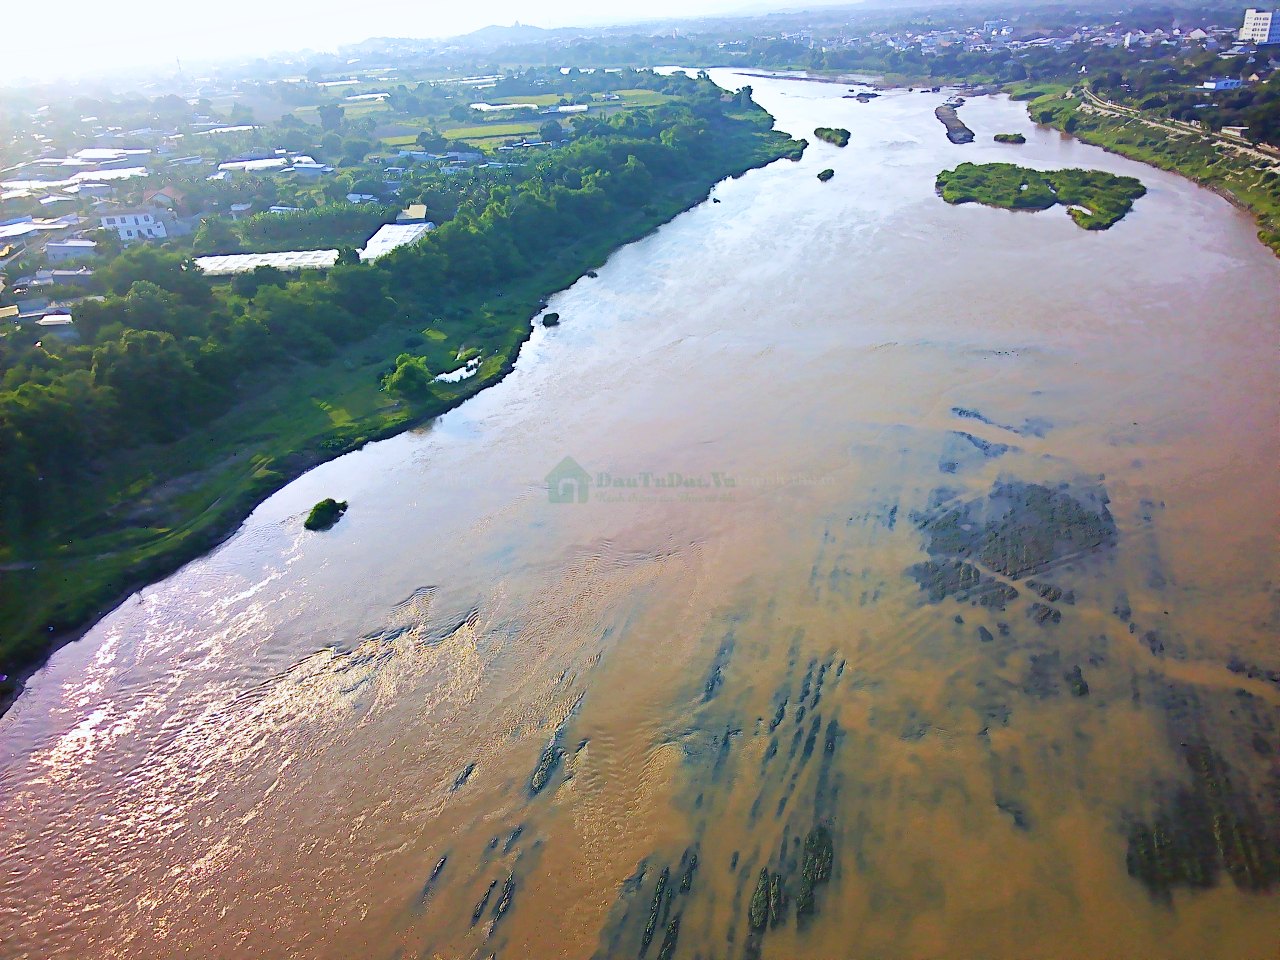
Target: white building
[
  {"x": 390, "y": 236},
  {"x": 61, "y": 251},
  {"x": 135, "y": 225},
  {"x": 1221, "y": 83},
  {"x": 1260, "y": 26}
]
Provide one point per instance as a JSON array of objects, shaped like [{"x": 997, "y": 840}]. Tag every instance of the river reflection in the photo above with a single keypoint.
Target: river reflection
[{"x": 789, "y": 706}]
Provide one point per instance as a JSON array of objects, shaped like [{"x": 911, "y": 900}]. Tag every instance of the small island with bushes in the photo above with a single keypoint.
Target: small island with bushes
[
  {"x": 551, "y": 320},
  {"x": 835, "y": 135},
  {"x": 1094, "y": 199},
  {"x": 826, "y": 175},
  {"x": 325, "y": 514},
  {"x": 1010, "y": 138}
]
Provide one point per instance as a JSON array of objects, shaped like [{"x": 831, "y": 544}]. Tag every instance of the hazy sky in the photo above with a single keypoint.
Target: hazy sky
[{"x": 75, "y": 37}]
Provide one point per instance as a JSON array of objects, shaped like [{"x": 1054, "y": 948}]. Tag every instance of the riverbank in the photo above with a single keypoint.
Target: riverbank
[
  {"x": 1238, "y": 177},
  {"x": 151, "y": 510}
]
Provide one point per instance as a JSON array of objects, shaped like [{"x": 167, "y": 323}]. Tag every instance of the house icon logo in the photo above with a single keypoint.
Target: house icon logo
[{"x": 568, "y": 482}]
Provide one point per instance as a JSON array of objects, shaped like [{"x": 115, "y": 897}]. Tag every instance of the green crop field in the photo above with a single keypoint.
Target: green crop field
[{"x": 492, "y": 131}]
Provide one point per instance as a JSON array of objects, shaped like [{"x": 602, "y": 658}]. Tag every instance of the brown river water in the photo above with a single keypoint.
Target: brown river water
[{"x": 270, "y": 753}]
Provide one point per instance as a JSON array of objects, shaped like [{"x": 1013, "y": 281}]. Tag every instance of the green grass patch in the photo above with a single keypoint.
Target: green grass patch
[{"x": 492, "y": 131}]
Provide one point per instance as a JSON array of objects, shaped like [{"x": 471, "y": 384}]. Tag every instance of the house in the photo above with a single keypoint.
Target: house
[
  {"x": 8, "y": 315},
  {"x": 93, "y": 190},
  {"x": 1221, "y": 83},
  {"x": 68, "y": 278},
  {"x": 33, "y": 309},
  {"x": 307, "y": 168},
  {"x": 62, "y": 251},
  {"x": 60, "y": 325},
  {"x": 133, "y": 225},
  {"x": 1260, "y": 26},
  {"x": 414, "y": 213},
  {"x": 361, "y": 198},
  {"x": 171, "y": 198}
]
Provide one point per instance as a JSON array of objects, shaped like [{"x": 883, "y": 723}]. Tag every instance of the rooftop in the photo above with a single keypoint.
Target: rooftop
[
  {"x": 245, "y": 262},
  {"x": 393, "y": 235}
]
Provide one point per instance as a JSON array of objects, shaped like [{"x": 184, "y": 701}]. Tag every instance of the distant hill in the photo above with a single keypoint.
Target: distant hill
[{"x": 496, "y": 36}]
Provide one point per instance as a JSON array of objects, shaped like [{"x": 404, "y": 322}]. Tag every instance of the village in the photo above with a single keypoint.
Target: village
[{"x": 243, "y": 195}]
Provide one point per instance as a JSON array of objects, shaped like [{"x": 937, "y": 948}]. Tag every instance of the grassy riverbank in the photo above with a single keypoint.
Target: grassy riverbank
[
  {"x": 146, "y": 510},
  {"x": 1237, "y": 174}
]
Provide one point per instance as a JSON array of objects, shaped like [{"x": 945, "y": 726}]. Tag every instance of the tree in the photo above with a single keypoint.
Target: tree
[
  {"x": 331, "y": 145},
  {"x": 355, "y": 150},
  {"x": 551, "y": 131},
  {"x": 348, "y": 255},
  {"x": 410, "y": 378},
  {"x": 331, "y": 115},
  {"x": 432, "y": 141},
  {"x": 215, "y": 235}
]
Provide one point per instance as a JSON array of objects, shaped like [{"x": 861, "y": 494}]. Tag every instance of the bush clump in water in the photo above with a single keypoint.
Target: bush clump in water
[
  {"x": 325, "y": 514},
  {"x": 835, "y": 135}
]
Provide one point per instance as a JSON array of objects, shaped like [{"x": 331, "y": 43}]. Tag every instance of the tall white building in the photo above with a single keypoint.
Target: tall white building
[{"x": 1260, "y": 26}]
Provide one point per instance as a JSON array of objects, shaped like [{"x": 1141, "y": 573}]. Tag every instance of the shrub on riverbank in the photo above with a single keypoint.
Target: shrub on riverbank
[{"x": 1095, "y": 200}]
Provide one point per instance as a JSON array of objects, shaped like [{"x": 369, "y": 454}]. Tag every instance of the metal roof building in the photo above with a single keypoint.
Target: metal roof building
[
  {"x": 244, "y": 262},
  {"x": 393, "y": 235}
]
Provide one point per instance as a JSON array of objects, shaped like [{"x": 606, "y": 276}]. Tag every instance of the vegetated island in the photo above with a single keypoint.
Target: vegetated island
[
  {"x": 325, "y": 514},
  {"x": 835, "y": 135},
  {"x": 826, "y": 175},
  {"x": 1009, "y": 138},
  {"x": 196, "y": 397},
  {"x": 1094, "y": 199},
  {"x": 551, "y": 320}
]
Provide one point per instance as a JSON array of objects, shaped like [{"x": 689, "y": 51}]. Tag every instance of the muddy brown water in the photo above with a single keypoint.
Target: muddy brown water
[{"x": 270, "y": 753}]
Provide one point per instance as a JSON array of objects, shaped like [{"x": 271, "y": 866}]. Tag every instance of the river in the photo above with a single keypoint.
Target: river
[{"x": 269, "y": 753}]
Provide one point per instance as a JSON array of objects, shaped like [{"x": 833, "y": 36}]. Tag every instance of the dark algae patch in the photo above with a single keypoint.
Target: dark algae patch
[
  {"x": 819, "y": 853},
  {"x": 1021, "y": 528},
  {"x": 833, "y": 135},
  {"x": 1204, "y": 829},
  {"x": 325, "y": 514},
  {"x": 547, "y": 763},
  {"x": 1094, "y": 199}
]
